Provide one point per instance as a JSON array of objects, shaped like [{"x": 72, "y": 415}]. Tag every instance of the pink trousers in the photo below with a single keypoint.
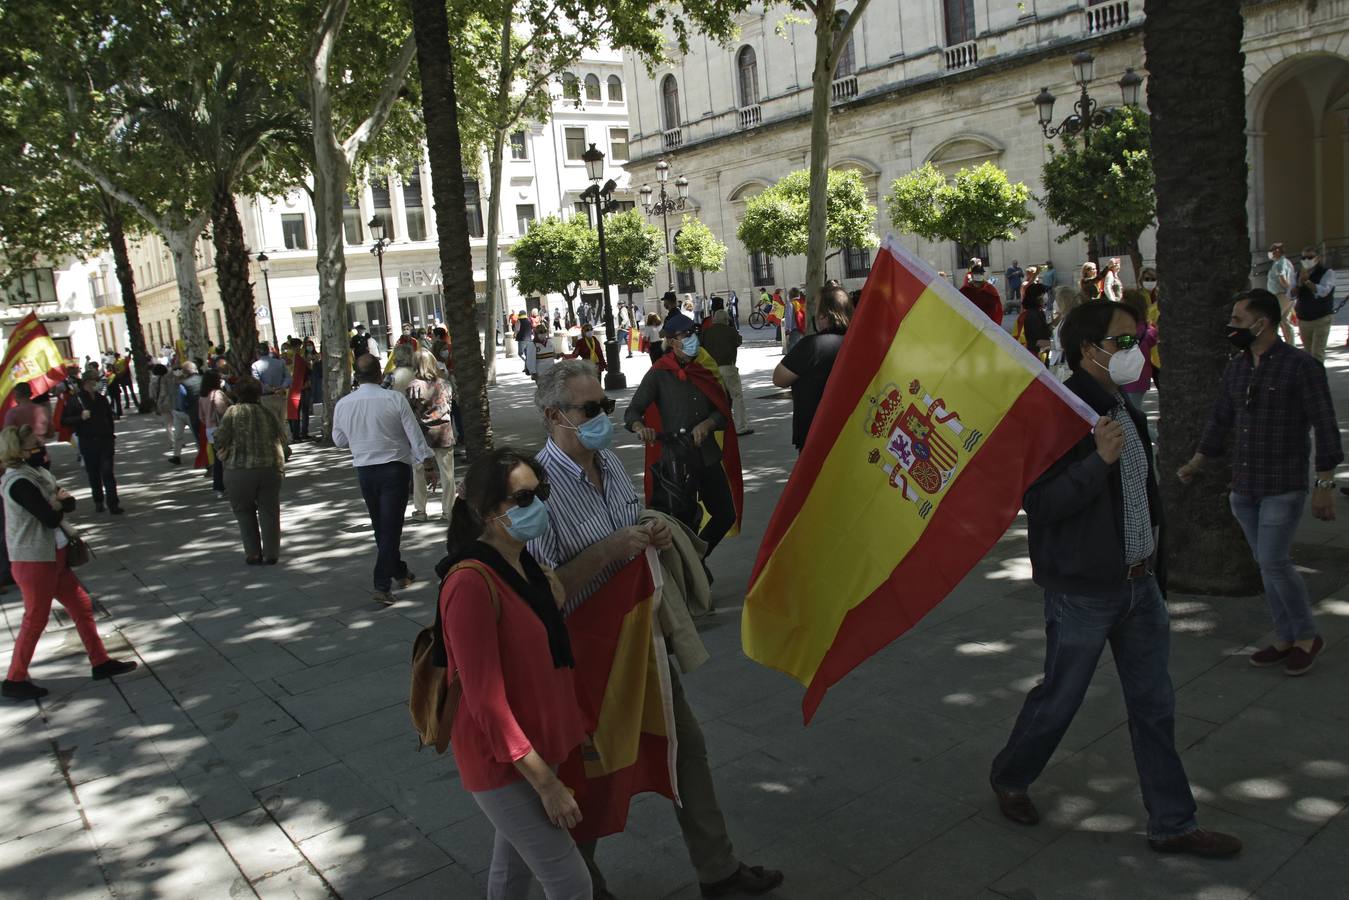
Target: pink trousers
[{"x": 41, "y": 582}]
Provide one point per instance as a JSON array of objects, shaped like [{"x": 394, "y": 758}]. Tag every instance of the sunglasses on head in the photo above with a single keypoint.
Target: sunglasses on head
[
  {"x": 526, "y": 497},
  {"x": 1122, "y": 341},
  {"x": 592, "y": 408}
]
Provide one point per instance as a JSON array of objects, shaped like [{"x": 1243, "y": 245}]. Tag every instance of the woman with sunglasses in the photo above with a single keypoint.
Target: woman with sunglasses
[{"x": 518, "y": 718}]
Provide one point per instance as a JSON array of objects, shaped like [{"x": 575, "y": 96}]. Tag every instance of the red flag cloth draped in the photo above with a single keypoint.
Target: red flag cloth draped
[
  {"x": 31, "y": 356},
  {"x": 299, "y": 383},
  {"x": 203, "y": 460},
  {"x": 62, "y": 432},
  {"x": 706, "y": 377},
  {"x": 623, "y": 687}
]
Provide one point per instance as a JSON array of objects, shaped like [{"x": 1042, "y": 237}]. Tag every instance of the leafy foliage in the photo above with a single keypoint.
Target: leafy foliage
[
  {"x": 1107, "y": 187},
  {"x": 555, "y": 256},
  {"x": 775, "y": 220},
  {"x": 977, "y": 206},
  {"x": 697, "y": 249},
  {"x": 634, "y": 247}
]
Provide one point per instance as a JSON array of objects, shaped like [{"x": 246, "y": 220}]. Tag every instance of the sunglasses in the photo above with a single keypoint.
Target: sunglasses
[
  {"x": 592, "y": 408},
  {"x": 526, "y": 497},
  {"x": 1122, "y": 341}
]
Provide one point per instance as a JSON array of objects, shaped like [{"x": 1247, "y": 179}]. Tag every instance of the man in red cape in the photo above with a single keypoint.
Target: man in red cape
[{"x": 683, "y": 392}]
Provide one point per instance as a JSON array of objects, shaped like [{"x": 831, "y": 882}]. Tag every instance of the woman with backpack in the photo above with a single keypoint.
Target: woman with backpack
[{"x": 518, "y": 716}]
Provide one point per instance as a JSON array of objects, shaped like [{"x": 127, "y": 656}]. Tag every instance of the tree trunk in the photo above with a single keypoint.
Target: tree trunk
[
  {"x": 191, "y": 305},
  {"x": 236, "y": 291},
  {"x": 126, "y": 280},
  {"x": 435, "y": 60},
  {"x": 496, "y": 163},
  {"x": 1198, "y": 106},
  {"x": 822, "y": 83},
  {"x": 1093, "y": 250},
  {"x": 704, "y": 272}
]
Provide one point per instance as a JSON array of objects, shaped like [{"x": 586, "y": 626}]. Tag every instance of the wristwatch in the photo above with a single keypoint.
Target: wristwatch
[{"x": 1324, "y": 484}]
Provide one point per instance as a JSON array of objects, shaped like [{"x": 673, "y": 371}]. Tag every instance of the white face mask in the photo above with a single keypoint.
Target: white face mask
[
  {"x": 1309, "y": 263},
  {"x": 977, "y": 279},
  {"x": 1270, "y": 254},
  {"x": 1125, "y": 365},
  {"x": 1149, "y": 284}
]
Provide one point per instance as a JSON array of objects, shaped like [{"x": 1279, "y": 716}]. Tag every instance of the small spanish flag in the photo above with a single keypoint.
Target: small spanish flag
[
  {"x": 31, "y": 356},
  {"x": 623, "y": 685},
  {"x": 933, "y": 424}
]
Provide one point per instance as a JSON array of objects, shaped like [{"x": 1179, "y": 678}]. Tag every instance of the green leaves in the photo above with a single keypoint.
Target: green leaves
[
  {"x": 696, "y": 248},
  {"x": 1106, "y": 188},
  {"x": 554, "y": 257},
  {"x": 633, "y": 246},
  {"x": 775, "y": 220},
  {"x": 977, "y": 206}
]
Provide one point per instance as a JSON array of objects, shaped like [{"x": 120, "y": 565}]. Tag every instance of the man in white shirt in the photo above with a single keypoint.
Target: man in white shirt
[{"x": 385, "y": 442}]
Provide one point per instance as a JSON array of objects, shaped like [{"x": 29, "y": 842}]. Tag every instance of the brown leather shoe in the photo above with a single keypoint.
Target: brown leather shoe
[
  {"x": 1017, "y": 806},
  {"x": 1209, "y": 844},
  {"x": 1300, "y": 661},
  {"x": 750, "y": 880}
]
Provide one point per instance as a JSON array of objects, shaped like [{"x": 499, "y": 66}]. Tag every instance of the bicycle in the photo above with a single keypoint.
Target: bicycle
[{"x": 759, "y": 317}]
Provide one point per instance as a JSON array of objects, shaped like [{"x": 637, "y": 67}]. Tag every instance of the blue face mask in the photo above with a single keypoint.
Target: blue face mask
[
  {"x": 594, "y": 434},
  {"x": 690, "y": 346},
  {"x": 527, "y": 522}
]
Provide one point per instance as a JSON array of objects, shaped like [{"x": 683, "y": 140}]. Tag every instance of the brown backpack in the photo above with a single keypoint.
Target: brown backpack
[{"x": 434, "y": 697}]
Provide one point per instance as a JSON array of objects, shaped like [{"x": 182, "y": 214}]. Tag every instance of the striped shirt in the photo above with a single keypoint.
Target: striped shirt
[{"x": 581, "y": 514}]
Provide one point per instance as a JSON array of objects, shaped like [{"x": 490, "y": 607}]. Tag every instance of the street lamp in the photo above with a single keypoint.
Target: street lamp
[
  {"x": 664, "y": 206},
  {"x": 264, "y": 264},
  {"x": 376, "y": 225},
  {"x": 1086, "y": 115},
  {"x": 602, "y": 199}
]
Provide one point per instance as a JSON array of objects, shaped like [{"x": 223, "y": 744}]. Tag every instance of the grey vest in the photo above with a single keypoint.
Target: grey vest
[{"x": 28, "y": 539}]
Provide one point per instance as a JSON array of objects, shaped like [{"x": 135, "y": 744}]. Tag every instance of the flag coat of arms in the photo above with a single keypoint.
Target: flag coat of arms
[
  {"x": 623, "y": 686},
  {"x": 31, "y": 356},
  {"x": 933, "y": 424}
]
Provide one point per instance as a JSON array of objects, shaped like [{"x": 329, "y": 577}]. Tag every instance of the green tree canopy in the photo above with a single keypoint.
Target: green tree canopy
[
  {"x": 554, "y": 257},
  {"x": 977, "y": 206},
  {"x": 775, "y": 221},
  {"x": 696, "y": 248},
  {"x": 634, "y": 247}
]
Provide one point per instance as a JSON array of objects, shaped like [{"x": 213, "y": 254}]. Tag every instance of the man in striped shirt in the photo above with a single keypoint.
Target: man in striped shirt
[{"x": 594, "y": 532}]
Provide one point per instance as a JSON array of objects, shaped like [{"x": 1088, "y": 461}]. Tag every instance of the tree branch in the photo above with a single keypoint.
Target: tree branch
[
  {"x": 109, "y": 187},
  {"x": 325, "y": 35},
  {"x": 841, "y": 39},
  {"x": 398, "y": 72}
]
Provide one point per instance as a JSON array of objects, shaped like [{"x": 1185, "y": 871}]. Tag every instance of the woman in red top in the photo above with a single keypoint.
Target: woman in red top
[{"x": 519, "y": 717}]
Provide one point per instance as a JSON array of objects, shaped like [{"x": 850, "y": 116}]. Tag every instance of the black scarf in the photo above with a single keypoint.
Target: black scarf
[{"x": 534, "y": 589}]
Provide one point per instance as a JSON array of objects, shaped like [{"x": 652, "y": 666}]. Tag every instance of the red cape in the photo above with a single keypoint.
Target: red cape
[
  {"x": 299, "y": 381},
  {"x": 702, "y": 371}
]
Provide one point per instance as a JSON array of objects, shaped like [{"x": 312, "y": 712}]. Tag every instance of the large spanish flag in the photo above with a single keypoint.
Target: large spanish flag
[
  {"x": 934, "y": 422},
  {"x": 623, "y": 684},
  {"x": 30, "y": 356}
]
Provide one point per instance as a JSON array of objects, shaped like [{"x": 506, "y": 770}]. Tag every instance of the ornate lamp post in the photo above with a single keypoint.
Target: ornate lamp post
[
  {"x": 664, "y": 206},
  {"x": 265, "y": 264},
  {"x": 376, "y": 225},
  {"x": 602, "y": 199},
  {"x": 1086, "y": 115}
]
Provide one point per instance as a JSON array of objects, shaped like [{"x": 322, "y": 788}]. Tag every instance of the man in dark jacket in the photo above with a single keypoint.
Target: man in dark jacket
[
  {"x": 90, "y": 415},
  {"x": 1094, "y": 527}
]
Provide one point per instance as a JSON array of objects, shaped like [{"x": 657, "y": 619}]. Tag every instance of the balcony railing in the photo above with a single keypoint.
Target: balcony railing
[
  {"x": 962, "y": 56},
  {"x": 1107, "y": 16},
  {"x": 751, "y": 116},
  {"x": 673, "y": 138},
  {"x": 844, "y": 88}
]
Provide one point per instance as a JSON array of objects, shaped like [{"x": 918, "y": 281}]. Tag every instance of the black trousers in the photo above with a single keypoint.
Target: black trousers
[
  {"x": 714, "y": 493},
  {"x": 97, "y": 455}
]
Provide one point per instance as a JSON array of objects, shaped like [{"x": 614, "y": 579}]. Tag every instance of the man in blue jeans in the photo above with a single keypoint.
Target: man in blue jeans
[
  {"x": 1273, "y": 395},
  {"x": 1094, "y": 527},
  {"x": 386, "y": 442}
]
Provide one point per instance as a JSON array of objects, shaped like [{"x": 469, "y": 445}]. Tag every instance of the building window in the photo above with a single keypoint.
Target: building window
[
  {"x": 519, "y": 149},
  {"x": 293, "y": 233},
  {"x": 571, "y": 88},
  {"x": 593, "y": 87},
  {"x": 747, "y": 69},
  {"x": 959, "y": 21},
  {"x": 669, "y": 102},
  {"x": 473, "y": 207},
  {"x": 381, "y": 205},
  {"x": 615, "y": 89},
  {"x": 306, "y": 323},
  {"x": 847, "y": 60},
  {"x": 974, "y": 251},
  {"x": 96, "y": 291},
  {"x": 351, "y": 220},
  {"x": 686, "y": 282},
  {"x": 32, "y": 286},
  {"x": 856, "y": 262},
  {"x": 761, "y": 269},
  {"x": 413, "y": 206},
  {"x": 618, "y": 144},
  {"x": 524, "y": 214},
  {"x": 576, "y": 143}
]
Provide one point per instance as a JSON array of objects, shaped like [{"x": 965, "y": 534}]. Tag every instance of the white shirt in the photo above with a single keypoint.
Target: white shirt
[
  {"x": 1114, "y": 288},
  {"x": 379, "y": 427}
]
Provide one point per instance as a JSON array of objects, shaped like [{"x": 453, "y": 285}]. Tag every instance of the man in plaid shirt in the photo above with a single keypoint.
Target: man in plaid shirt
[{"x": 1272, "y": 396}]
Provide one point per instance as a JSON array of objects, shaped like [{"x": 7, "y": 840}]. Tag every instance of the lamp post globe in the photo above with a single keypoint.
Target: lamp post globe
[
  {"x": 645, "y": 193},
  {"x": 662, "y": 171},
  {"x": 376, "y": 225},
  {"x": 1084, "y": 64},
  {"x": 1044, "y": 105},
  {"x": 682, "y": 186},
  {"x": 1131, "y": 87},
  {"x": 594, "y": 160}
]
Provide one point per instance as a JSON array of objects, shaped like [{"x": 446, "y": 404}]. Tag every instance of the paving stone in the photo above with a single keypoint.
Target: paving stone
[
  {"x": 59, "y": 863},
  {"x": 373, "y": 855},
  {"x": 259, "y": 846},
  {"x": 340, "y": 702},
  {"x": 319, "y": 801},
  {"x": 299, "y": 883},
  {"x": 447, "y": 881}
]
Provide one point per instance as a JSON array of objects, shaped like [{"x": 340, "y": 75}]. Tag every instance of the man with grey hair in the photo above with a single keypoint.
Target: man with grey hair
[{"x": 593, "y": 532}]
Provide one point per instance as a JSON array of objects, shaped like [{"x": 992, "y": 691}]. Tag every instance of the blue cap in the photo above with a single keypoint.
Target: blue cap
[{"x": 677, "y": 323}]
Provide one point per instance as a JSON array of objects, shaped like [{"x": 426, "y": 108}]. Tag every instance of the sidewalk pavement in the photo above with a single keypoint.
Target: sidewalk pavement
[{"x": 264, "y": 748}]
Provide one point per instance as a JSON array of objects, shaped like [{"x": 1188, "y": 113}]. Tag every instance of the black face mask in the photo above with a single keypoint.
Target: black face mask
[
  {"x": 36, "y": 457},
  {"x": 1241, "y": 338}
]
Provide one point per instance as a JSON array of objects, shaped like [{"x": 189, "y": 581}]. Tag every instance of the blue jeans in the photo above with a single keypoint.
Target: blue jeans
[
  {"x": 1135, "y": 622},
  {"x": 385, "y": 488},
  {"x": 1269, "y": 524}
]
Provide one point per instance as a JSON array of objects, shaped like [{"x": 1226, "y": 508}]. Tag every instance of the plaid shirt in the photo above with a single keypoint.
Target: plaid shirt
[{"x": 1271, "y": 407}]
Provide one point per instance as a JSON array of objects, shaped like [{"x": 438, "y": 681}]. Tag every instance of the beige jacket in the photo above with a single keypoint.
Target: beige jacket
[{"x": 685, "y": 592}]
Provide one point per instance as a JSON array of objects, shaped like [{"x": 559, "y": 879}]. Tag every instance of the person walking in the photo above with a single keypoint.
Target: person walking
[
  {"x": 385, "y": 442},
  {"x": 1090, "y": 283},
  {"x": 1094, "y": 523},
  {"x": 35, "y": 507},
  {"x": 90, "y": 415},
  {"x": 1032, "y": 328},
  {"x": 1279, "y": 281},
  {"x": 1147, "y": 280},
  {"x": 1315, "y": 303},
  {"x": 982, "y": 294},
  {"x": 253, "y": 451},
  {"x": 723, "y": 343},
  {"x": 165, "y": 392},
  {"x": 211, "y": 406},
  {"x": 806, "y": 368},
  {"x": 594, "y": 530},
  {"x": 432, "y": 401},
  {"x": 1015, "y": 276},
  {"x": 588, "y": 348},
  {"x": 298, "y": 402},
  {"x": 1272, "y": 396}
]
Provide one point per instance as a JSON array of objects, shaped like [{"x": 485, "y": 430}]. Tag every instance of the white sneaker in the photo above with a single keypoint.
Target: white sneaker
[{"x": 417, "y": 516}]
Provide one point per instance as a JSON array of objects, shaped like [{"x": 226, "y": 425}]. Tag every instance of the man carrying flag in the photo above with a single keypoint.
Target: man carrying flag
[
  {"x": 683, "y": 393},
  {"x": 31, "y": 358},
  {"x": 594, "y": 533}
]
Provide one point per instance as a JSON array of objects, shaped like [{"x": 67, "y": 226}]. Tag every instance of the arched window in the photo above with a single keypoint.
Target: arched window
[
  {"x": 615, "y": 89},
  {"x": 747, "y": 72},
  {"x": 571, "y": 88},
  {"x": 669, "y": 102},
  {"x": 593, "y": 87},
  {"x": 847, "y": 60}
]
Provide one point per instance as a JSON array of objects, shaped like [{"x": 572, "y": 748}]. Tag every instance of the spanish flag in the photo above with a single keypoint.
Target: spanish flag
[
  {"x": 31, "y": 356},
  {"x": 933, "y": 424},
  {"x": 623, "y": 685}
]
